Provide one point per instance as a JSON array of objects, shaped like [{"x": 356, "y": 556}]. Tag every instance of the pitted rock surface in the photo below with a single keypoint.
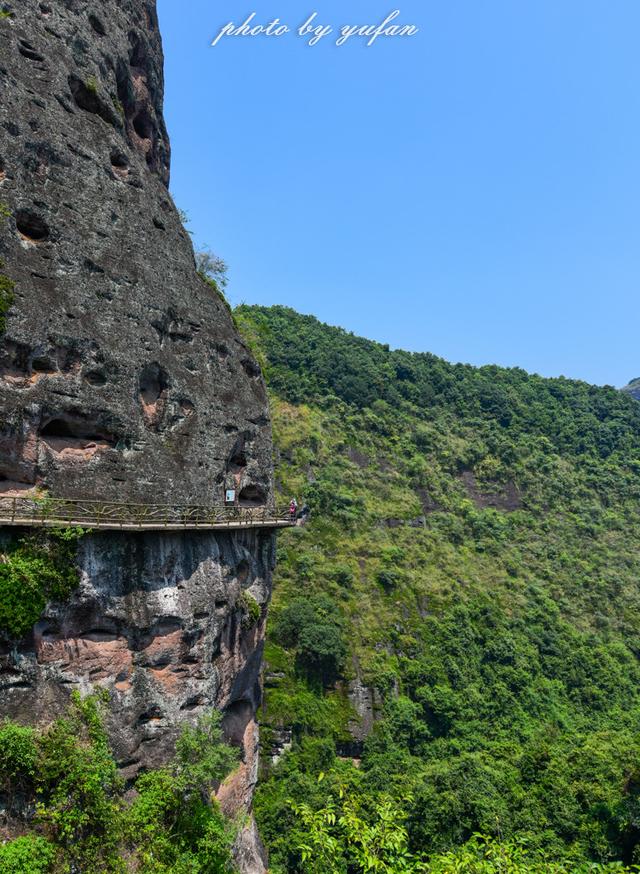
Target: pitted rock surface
[
  {"x": 158, "y": 620},
  {"x": 122, "y": 377},
  {"x": 121, "y": 374}
]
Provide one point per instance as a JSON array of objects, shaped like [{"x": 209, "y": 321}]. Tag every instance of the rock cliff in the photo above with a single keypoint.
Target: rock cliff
[
  {"x": 122, "y": 377},
  {"x": 633, "y": 389}
]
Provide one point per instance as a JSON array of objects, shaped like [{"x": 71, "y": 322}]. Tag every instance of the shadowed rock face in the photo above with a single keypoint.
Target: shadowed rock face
[
  {"x": 122, "y": 378},
  {"x": 158, "y": 620},
  {"x": 121, "y": 374}
]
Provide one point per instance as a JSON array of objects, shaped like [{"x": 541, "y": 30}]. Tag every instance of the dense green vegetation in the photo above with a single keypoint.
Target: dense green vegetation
[
  {"x": 471, "y": 558},
  {"x": 61, "y": 788},
  {"x": 34, "y": 569},
  {"x": 7, "y": 296}
]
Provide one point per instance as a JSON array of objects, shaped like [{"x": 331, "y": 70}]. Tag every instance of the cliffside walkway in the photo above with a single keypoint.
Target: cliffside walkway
[{"x": 114, "y": 516}]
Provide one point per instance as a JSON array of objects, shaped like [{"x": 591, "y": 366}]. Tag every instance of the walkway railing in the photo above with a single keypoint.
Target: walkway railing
[{"x": 116, "y": 516}]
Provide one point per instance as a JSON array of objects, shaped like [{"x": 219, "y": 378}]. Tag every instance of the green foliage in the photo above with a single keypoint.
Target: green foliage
[
  {"x": 27, "y": 855},
  {"x": 7, "y": 286},
  {"x": 78, "y": 788},
  {"x": 92, "y": 85},
  {"x": 251, "y": 610},
  {"x": 118, "y": 106},
  {"x": 313, "y": 629},
  {"x": 83, "y": 821},
  {"x": 18, "y": 761},
  {"x": 33, "y": 570},
  {"x": 476, "y": 531},
  {"x": 210, "y": 266}
]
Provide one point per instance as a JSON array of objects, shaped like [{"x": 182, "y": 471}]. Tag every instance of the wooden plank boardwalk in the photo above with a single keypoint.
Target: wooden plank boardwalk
[{"x": 115, "y": 516}]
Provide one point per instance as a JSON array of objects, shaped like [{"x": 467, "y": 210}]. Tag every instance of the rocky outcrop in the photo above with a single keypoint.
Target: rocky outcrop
[
  {"x": 633, "y": 389},
  {"x": 122, "y": 377},
  {"x": 121, "y": 373}
]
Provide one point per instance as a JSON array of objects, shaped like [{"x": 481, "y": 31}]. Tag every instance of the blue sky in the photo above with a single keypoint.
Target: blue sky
[{"x": 472, "y": 191}]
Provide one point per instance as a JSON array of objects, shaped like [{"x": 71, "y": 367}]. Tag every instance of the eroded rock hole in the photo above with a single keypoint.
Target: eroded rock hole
[
  {"x": 31, "y": 226},
  {"x": 96, "y": 377},
  {"x": 67, "y": 428},
  {"x": 238, "y": 461},
  {"x": 242, "y": 571},
  {"x": 44, "y": 364},
  {"x": 28, "y": 51},
  {"x": 97, "y": 25},
  {"x": 125, "y": 88},
  {"x": 251, "y": 368},
  {"x": 143, "y": 125},
  {"x": 154, "y": 714},
  {"x": 119, "y": 160},
  {"x": 85, "y": 95},
  {"x": 252, "y": 496},
  {"x": 138, "y": 51},
  {"x": 153, "y": 390}
]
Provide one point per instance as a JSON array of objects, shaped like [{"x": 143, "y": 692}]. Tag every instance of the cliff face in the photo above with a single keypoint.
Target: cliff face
[
  {"x": 121, "y": 373},
  {"x": 122, "y": 378}
]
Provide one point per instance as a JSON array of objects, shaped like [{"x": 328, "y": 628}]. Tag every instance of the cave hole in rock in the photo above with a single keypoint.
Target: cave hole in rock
[
  {"x": 119, "y": 163},
  {"x": 252, "y": 496},
  {"x": 96, "y": 377},
  {"x": 92, "y": 267},
  {"x": 235, "y": 720},
  {"x": 44, "y": 364},
  {"x": 47, "y": 632},
  {"x": 28, "y": 51},
  {"x": 125, "y": 88},
  {"x": 31, "y": 226},
  {"x": 153, "y": 388},
  {"x": 119, "y": 159},
  {"x": 238, "y": 461},
  {"x": 74, "y": 430},
  {"x": 84, "y": 96},
  {"x": 138, "y": 51},
  {"x": 154, "y": 714},
  {"x": 3, "y": 173},
  {"x": 251, "y": 368},
  {"x": 45, "y": 8},
  {"x": 99, "y": 635},
  {"x": 97, "y": 25},
  {"x": 143, "y": 125},
  {"x": 193, "y": 702},
  {"x": 242, "y": 571}
]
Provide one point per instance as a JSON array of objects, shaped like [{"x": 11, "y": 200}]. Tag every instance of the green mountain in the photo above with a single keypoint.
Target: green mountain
[{"x": 455, "y": 631}]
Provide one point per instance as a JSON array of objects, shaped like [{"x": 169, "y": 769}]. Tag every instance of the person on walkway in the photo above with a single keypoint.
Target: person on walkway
[{"x": 293, "y": 509}]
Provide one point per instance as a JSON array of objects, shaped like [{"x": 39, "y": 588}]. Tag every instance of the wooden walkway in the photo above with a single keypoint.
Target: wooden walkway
[{"x": 113, "y": 516}]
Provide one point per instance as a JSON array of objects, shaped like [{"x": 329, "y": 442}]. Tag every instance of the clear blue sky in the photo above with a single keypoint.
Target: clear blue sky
[{"x": 473, "y": 191}]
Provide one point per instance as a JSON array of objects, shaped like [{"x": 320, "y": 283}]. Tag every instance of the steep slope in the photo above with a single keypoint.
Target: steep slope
[
  {"x": 122, "y": 378},
  {"x": 460, "y": 615}
]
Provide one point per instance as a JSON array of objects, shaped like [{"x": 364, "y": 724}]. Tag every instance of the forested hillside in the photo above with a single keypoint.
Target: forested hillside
[{"x": 470, "y": 570}]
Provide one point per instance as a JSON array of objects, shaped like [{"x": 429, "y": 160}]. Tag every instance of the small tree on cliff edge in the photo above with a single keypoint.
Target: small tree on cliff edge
[{"x": 212, "y": 268}]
